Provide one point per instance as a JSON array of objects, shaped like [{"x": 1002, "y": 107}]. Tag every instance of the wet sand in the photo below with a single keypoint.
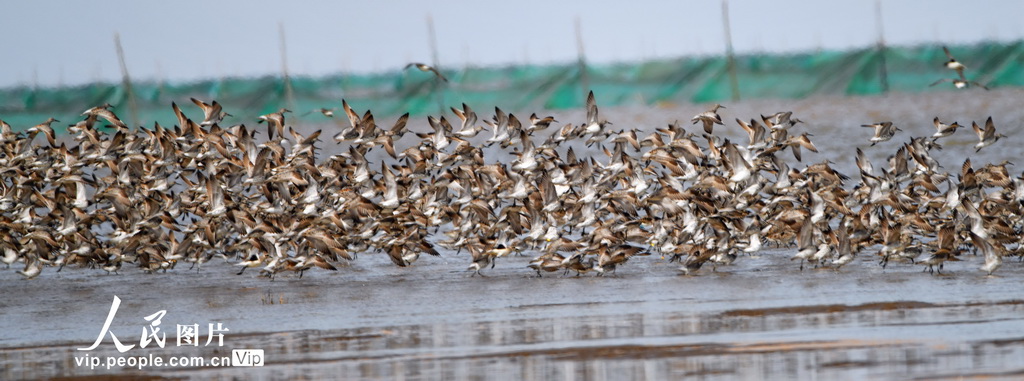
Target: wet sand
[{"x": 761, "y": 318}]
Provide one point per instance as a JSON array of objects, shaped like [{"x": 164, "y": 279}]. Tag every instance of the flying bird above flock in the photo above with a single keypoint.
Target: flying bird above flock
[
  {"x": 427, "y": 69},
  {"x": 960, "y": 81}
]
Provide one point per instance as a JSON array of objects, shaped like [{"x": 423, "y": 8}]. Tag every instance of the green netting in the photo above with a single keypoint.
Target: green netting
[{"x": 681, "y": 80}]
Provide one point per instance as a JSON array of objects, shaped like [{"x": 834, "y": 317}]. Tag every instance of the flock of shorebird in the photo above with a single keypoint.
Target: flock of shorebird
[
  {"x": 157, "y": 197},
  {"x": 109, "y": 195}
]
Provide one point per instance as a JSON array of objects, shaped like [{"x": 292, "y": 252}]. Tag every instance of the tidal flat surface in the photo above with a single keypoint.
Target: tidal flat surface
[{"x": 761, "y": 318}]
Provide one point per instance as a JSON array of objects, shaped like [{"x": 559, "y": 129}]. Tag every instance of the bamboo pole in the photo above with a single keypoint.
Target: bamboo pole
[
  {"x": 734, "y": 82},
  {"x": 582, "y": 60},
  {"x": 126, "y": 81},
  {"x": 883, "y": 72},
  {"x": 289, "y": 97},
  {"x": 436, "y": 62},
  {"x": 160, "y": 80}
]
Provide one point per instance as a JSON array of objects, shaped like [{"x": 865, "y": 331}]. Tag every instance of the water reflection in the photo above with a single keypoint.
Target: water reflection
[{"x": 879, "y": 340}]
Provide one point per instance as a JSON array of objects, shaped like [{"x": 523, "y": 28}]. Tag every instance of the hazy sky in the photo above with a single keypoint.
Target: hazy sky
[{"x": 71, "y": 42}]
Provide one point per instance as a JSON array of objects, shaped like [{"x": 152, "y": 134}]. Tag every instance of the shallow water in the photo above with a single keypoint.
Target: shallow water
[{"x": 761, "y": 318}]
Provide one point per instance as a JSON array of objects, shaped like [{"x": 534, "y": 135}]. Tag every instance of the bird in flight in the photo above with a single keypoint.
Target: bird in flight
[
  {"x": 986, "y": 136},
  {"x": 960, "y": 82},
  {"x": 953, "y": 64},
  {"x": 883, "y": 131},
  {"x": 328, "y": 112},
  {"x": 425, "y": 68}
]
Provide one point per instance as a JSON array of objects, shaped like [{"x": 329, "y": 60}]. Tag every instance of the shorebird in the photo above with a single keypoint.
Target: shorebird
[
  {"x": 577, "y": 263},
  {"x": 844, "y": 251},
  {"x": 939, "y": 257},
  {"x": 10, "y": 255},
  {"x": 480, "y": 261},
  {"x": 738, "y": 163},
  {"x": 992, "y": 252},
  {"x": 500, "y": 131},
  {"x": 610, "y": 257},
  {"x": 103, "y": 111},
  {"x": 696, "y": 259},
  {"x": 275, "y": 122},
  {"x": 32, "y": 269},
  {"x": 946, "y": 242},
  {"x": 796, "y": 142},
  {"x": 805, "y": 241},
  {"x": 215, "y": 198},
  {"x": 987, "y": 136},
  {"x": 594, "y": 125},
  {"x": 469, "y": 128},
  {"x": 709, "y": 118},
  {"x": 7, "y": 135},
  {"x": 942, "y": 129},
  {"x": 254, "y": 259},
  {"x": 756, "y": 133},
  {"x": 953, "y": 64},
  {"x": 427, "y": 68},
  {"x": 387, "y": 138},
  {"x": 499, "y": 250},
  {"x": 213, "y": 113},
  {"x": 779, "y": 121},
  {"x": 46, "y": 129},
  {"x": 96, "y": 109},
  {"x": 360, "y": 129},
  {"x": 538, "y": 123},
  {"x": 328, "y": 112},
  {"x": 549, "y": 262},
  {"x": 305, "y": 262},
  {"x": 959, "y": 83},
  {"x": 390, "y": 197},
  {"x": 403, "y": 251},
  {"x": 440, "y": 138},
  {"x": 883, "y": 131},
  {"x": 484, "y": 254}
]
